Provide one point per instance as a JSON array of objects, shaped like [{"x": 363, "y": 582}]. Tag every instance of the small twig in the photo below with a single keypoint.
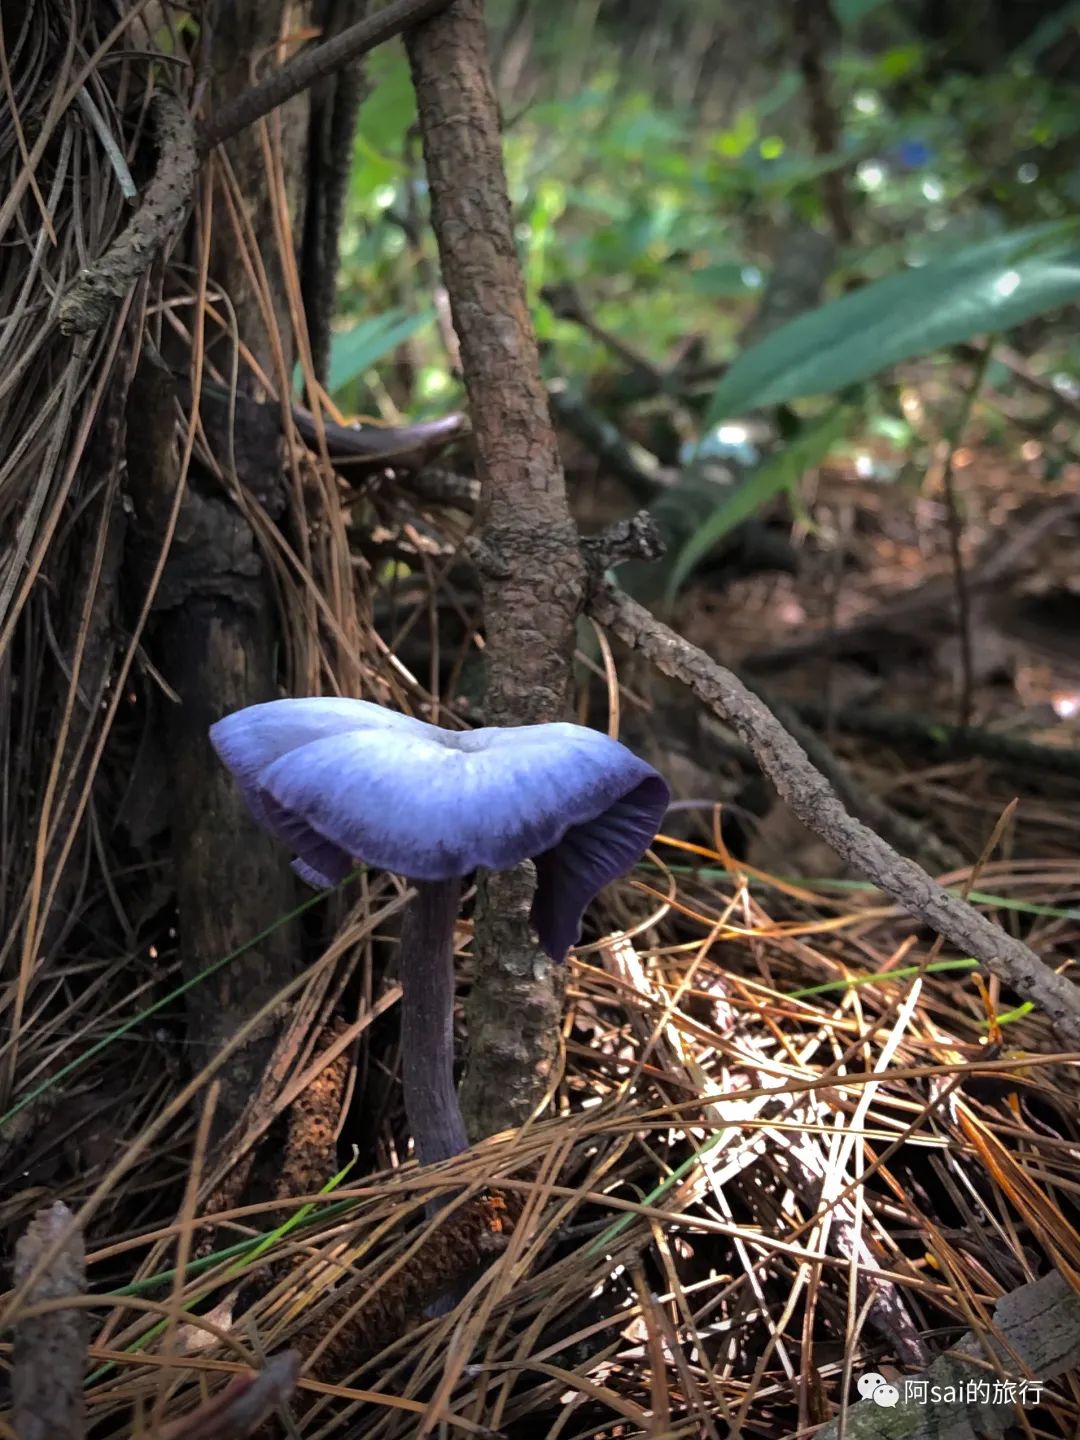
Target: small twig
[
  {"x": 435, "y": 486},
  {"x": 565, "y": 302},
  {"x": 1020, "y": 368},
  {"x": 636, "y": 538},
  {"x": 814, "y": 802},
  {"x": 87, "y": 304},
  {"x": 956, "y": 531},
  {"x": 312, "y": 65},
  {"x": 50, "y": 1350}
]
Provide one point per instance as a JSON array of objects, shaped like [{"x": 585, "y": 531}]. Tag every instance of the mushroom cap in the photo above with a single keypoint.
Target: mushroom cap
[{"x": 341, "y": 781}]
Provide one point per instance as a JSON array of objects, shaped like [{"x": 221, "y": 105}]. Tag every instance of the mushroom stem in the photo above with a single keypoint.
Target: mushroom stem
[{"x": 427, "y": 1021}]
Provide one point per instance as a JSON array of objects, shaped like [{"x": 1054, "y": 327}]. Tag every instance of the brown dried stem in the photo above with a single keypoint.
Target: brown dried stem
[{"x": 956, "y": 535}]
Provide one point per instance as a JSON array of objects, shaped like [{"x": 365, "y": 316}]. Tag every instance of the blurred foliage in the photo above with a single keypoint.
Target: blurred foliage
[
  {"x": 657, "y": 166},
  {"x": 782, "y": 472},
  {"x": 985, "y": 287}
]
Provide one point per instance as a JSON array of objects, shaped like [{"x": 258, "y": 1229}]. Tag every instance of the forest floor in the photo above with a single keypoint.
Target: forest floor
[{"x": 794, "y": 1140}]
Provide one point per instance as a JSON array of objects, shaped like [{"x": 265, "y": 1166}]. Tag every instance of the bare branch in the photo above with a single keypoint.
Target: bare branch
[
  {"x": 813, "y": 800},
  {"x": 1036, "y": 1328},
  {"x": 159, "y": 218},
  {"x": 312, "y": 65}
]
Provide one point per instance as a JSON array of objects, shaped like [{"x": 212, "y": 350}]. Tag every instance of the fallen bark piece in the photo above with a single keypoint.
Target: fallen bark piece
[
  {"x": 963, "y": 1397},
  {"x": 49, "y": 1352}
]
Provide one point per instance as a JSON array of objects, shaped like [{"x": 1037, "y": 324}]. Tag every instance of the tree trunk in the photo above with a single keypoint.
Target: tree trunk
[{"x": 530, "y": 564}]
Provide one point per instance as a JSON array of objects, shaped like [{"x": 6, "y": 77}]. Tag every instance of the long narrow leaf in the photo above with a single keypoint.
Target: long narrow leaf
[
  {"x": 986, "y": 288},
  {"x": 782, "y": 472},
  {"x": 356, "y": 350}
]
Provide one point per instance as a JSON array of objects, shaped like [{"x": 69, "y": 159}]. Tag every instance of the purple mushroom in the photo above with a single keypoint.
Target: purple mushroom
[{"x": 345, "y": 781}]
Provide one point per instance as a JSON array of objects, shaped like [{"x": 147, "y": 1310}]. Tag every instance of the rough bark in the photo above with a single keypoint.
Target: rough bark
[
  {"x": 531, "y": 569},
  {"x": 215, "y": 639},
  {"x": 153, "y": 227}
]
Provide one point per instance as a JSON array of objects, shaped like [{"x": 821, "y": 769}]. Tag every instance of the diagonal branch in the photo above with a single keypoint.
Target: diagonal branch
[
  {"x": 813, "y": 800},
  {"x": 151, "y": 230},
  {"x": 314, "y": 64}
]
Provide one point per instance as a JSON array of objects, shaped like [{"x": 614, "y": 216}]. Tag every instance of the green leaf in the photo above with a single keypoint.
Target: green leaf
[
  {"x": 290, "y": 1223},
  {"x": 723, "y": 280},
  {"x": 736, "y": 141},
  {"x": 389, "y": 107},
  {"x": 985, "y": 288},
  {"x": 1049, "y": 31},
  {"x": 782, "y": 472},
  {"x": 356, "y": 350},
  {"x": 850, "y": 12},
  {"x": 371, "y": 171},
  {"x": 902, "y": 972},
  {"x": 899, "y": 62}
]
